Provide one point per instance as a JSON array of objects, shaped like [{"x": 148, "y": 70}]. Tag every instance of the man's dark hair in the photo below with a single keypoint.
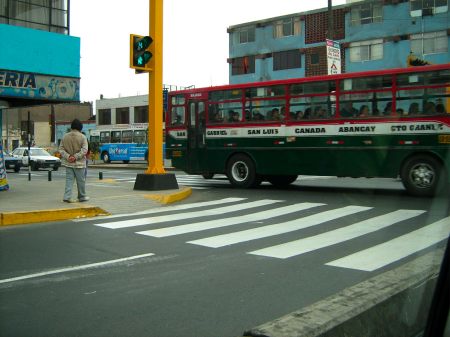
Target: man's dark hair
[{"x": 76, "y": 125}]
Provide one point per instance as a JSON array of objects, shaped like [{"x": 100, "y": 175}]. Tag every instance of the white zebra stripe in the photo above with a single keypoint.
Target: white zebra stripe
[
  {"x": 280, "y": 228},
  {"x": 388, "y": 252},
  {"x": 200, "y": 226},
  {"x": 186, "y": 215},
  {"x": 171, "y": 208},
  {"x": 336, "y": 236}
]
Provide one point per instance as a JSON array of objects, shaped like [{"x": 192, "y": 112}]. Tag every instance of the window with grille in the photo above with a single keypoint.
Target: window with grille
[
  {"x": 243, "y": 65},
  {"x": 45, "y": 15},
  {"x": 366, "y": 13},
  {"x": 286, "y": 27},
  {"x": 428, "y": 7},
  {"x": 429, "y": 43},
  {"x": 246, "y": 34},
  {"x": 366, "y": 50},
  {"x": 288, "y": 59}
]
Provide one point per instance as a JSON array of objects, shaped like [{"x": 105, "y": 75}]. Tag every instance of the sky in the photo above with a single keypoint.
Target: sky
[{"x": 195, "y": 45}]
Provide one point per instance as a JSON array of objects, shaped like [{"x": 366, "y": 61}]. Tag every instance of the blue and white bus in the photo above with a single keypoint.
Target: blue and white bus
[{"x": 128, "y": 143}]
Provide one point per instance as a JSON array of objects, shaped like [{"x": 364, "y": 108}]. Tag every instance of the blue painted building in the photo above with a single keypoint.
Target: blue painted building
[
  {"x": 372, "y": 35},
  {"x": 39, "y": 69},
  {"x": 39, "y": 61}
]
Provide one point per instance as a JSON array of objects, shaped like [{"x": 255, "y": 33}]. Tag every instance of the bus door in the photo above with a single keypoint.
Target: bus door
[{"x": 196, "y": 135}]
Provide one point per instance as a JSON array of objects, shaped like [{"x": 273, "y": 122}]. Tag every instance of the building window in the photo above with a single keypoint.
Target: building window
[
  {"x": 48, "y": 15},
  {"x": 123, "y": 115},
  {"x": 429, "y": 43},
  {"x": 141, "y": 114},
  {"x": 366, "y": 13},
  {"x": 366, "y": 50},
  {"x": 3, "y": 8},
  {"x": 428, "y": 7},
  {"x": 104, "y": 117},
  {"x": 286, "y": 27},
  {"x": 243, "y": 65},
  {"x": 288, "y": 59},
  {"x": 246, "y": 34}
]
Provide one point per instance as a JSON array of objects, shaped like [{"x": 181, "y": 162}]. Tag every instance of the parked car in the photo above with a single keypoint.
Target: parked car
[
  {"x": 39, "y": 158},
  {"x": 12, "y": 162}
]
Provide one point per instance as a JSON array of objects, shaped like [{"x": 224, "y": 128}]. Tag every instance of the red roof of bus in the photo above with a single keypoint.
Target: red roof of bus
[{"x": 319, "y": 78}]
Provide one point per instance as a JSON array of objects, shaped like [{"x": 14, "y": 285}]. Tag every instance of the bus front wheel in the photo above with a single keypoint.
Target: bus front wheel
[
  {"x": 421, "y": 176},
  {"x": 105, "y": 157},
  {"x": 241, "y": 172}
]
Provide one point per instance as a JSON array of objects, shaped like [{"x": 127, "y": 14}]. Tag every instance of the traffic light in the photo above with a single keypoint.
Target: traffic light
[
  {"x": 414, "y": 61},
  {"x": 140, "y": 53}
]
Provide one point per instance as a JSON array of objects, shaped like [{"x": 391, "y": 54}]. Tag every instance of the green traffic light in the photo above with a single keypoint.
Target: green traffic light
[
  {"x": 143, "y": 43},
  {"x": 141, "y": 56},
  {"x": 144, "y": 58}
]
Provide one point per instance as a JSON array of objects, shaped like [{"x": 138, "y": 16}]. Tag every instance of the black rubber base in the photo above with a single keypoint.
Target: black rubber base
[{"x": 155, "y": 182}]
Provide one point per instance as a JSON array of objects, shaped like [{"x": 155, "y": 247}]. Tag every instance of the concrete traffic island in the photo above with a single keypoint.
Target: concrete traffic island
[{"x": 394, "y": 303}]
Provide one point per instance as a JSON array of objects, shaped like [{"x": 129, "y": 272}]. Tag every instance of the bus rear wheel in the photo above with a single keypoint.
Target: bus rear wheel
[
  {"x": 422, "y": 176},
  {"x": 105, "y": 157},
  {"x": 281, "y": 181},
  {"x": 241, "y": 172}
]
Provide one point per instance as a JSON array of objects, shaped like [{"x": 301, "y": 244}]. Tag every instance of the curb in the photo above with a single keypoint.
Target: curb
[
  {"x": 380, "y": 306},
  {"x": 19, "y": 218},
  {"x": 170, "y": 198}
]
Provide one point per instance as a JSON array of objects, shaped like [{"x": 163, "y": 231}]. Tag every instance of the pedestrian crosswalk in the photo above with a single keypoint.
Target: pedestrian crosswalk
[
  {"x": 193, "y": 181},
  {"x": 198, "y": 182},
  {"x": 312, "y": 227}
]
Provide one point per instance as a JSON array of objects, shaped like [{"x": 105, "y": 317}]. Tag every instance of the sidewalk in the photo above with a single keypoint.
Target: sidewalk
[{"x": 40, "y": 200}]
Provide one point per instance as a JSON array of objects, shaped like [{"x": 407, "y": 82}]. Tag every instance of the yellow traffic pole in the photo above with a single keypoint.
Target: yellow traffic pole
[
  {"x": 155, "y": 99},
  {"x": 154, "y": 178}
]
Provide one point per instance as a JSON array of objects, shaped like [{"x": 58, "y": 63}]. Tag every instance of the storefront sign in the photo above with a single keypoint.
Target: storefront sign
[{"x": 36, "y": 86}]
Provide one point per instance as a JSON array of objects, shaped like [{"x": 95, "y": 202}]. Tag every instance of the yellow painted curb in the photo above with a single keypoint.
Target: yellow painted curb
[
  {"x": 172, "y": 197},
  {"x": 19, "y": 218}
]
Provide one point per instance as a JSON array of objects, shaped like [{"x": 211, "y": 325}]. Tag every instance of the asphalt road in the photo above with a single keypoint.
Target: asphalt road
[{"x": 212, "y": 269}]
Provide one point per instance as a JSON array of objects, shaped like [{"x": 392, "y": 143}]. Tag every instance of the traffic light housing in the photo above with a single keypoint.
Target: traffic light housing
[{"x": 140, "y": 53}]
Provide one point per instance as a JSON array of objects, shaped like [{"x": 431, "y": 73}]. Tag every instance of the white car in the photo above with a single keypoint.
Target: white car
[{"x": 39, "y": 158}]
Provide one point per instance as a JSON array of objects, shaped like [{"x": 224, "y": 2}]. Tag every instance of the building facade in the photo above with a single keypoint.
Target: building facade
[
  {"x": 48, "y": 123},
  {"x": 40, "y": 63},
  {"x": 39, "y": 66},
  {"x": 128, "y": 110},
  {"x": 122, "y": 110},
  {"x": 372, "y": 35}
]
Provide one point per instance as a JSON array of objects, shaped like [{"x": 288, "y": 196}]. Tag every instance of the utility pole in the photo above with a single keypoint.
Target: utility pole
[{"x": 330, "y": 34}]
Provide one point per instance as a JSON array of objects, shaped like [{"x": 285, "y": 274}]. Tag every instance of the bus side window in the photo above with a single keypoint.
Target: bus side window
[
  {"x": 116, "y": 136},
  {"x": 257, "y": 115},
  {"x": 105, "y": 137},
  {"x": 139, "y": 136},
  {"x": 127, "y": 136}
]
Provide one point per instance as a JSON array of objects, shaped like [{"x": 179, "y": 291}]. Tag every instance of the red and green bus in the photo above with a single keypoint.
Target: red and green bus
[{"x": 386, "y": 123}]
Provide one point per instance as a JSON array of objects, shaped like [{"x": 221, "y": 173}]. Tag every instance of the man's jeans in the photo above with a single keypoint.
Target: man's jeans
[{"x": 78, "y": 175}]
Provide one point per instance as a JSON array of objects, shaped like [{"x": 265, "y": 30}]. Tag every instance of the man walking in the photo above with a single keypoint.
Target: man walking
[{"x": 73, "y": 150}]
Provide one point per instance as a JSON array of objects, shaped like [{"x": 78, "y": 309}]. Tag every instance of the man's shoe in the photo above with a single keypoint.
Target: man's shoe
[
  {"x": 69, "y": 201},
  {"x": 84, "y": 199}
]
